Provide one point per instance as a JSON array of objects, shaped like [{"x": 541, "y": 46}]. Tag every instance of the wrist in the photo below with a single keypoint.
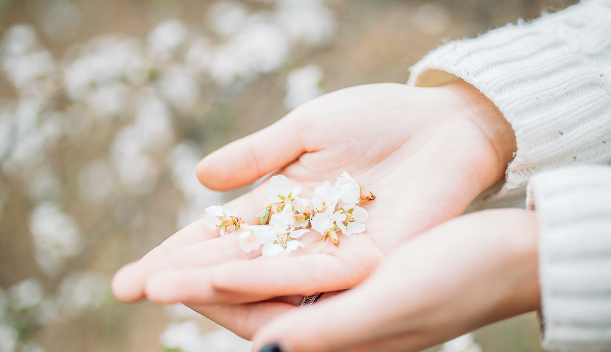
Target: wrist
[{"x": 488, "y": 119}]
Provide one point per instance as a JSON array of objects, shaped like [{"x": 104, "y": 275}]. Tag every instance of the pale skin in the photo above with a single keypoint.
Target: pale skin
[
  {"x": 425, "y": 153},
  {"x": 461, "y": 275}
]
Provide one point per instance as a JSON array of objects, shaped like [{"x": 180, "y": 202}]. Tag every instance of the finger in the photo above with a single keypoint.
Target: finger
[
  {"x": 244, "y": 319},
  {"x": 336, "y": 324},
  {"x": 128, "y": 282},
  {"x": 245, "y": 160},
  {"x": 251, "y": 281}
]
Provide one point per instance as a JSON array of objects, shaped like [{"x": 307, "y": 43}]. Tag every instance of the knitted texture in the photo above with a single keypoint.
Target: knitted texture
[
  {"x": 573, "y": 207},
  {"x": 551, "y": 79}
]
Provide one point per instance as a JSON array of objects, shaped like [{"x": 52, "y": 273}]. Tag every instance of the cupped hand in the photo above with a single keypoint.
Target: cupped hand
[
  {"x": 426, "y": 153},
  {"x": 459, "y": 276}
]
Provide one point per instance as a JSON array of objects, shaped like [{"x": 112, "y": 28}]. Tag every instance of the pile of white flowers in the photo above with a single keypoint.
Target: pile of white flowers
[{"x": 332, "y": 208}]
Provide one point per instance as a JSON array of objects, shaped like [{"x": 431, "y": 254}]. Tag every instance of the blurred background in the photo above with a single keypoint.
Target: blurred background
[{"x": 106, "y": 107}]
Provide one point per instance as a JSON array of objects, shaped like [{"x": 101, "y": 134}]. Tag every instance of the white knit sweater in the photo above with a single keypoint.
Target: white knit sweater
[{"x": 551, "y": 79}]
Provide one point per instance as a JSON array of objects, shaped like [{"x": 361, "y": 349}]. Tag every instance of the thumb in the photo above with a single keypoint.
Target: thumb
[
  {"x": 346, "y": 320},
  {"x": 245, "y": 160}
]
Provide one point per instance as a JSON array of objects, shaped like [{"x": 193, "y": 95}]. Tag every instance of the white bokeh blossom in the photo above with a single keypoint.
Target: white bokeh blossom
[
  {"x": 303, "y": 84},
  {"x": 464, "y": 343},
  {"x": 56, "y": 237},
  {"x": 26, "y": 294},
  {"x": 166, "y": 38},
  {"x": 180, "y": 335},
  {"x": 9, "y": 337}
]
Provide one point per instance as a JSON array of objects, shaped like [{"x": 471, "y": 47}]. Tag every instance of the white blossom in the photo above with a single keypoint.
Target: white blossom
[
  {"x": 8, "y": 338},
  {"x": 351, "y": 220},
  {"x": 22, "y": 70},
  {"x": 325, "y": 197},
  {"x": 105, "y": 60},
  {"x": 309, "y": 22},
  {"x": 221, "y": 340},
  {"x": 431, "y": 19},
  {"x": 56, "y": 237},
  {"x": 227, "y": 17},
  {"x": 26, "y": 294},
  {"x": 348, "y": 189},
  {"x": 166, "y": 38},
  {"x": 279, "y": 190},
  {"x": 47, "y": 311},
  {"x": 222, "y": 218},
  {"x": 254, "y": 236},
  {"x": 303, "y": 84},
  {"x": 20, "y": 39},
  {"x": 323, "y": 222},
  {"x": 178, "y": 87},
  {"x": 464, "y": 343},
  {"x": 180, "y": 311},
  {"x": 180, "y": 335},
  {"x": 181, "y": 162},
  {"x": 82, "y": 291},
  {"x": 281, "y": 236}
]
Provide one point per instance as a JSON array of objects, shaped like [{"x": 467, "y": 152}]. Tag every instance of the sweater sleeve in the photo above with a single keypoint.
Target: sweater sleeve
[
  {"x": 573, "y": 207},
  {"x": 550, "y": 78}
]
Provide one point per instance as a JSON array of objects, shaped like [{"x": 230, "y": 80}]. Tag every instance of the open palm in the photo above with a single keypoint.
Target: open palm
[{"x": 425, "y": 153}]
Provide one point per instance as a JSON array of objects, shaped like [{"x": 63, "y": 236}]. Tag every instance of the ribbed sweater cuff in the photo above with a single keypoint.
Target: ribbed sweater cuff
[
  {"x": 574, "y": 215},
  {"x": 550, "y": 79}
]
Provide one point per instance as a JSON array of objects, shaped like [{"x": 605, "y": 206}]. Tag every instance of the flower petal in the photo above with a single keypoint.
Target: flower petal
[
  {"x": 230, "y": 210},
  {"x": 350, "y": 193},
  {"x": 359, "y": 214},
  {"x": 293, "y": 245},
  {"x": 323, "y": 188},
  {"x": 216, "y": 210},
  {"x": 281, "y": 221},
  {"x": 270, "y": 192},
  {"x": 338, "y": 217},
  {"x": 354, "y": 227},
  {"x": 298, "y": 233},
  {"x": 281, "y": 183},
  {"x": 295, "y": 191},
  {"x": 248, "y": 241},
  {"x": 212, "y": 221},
  {"x": 321, "y": 223},
  {"x": 342, "y": 227},
  {"x": 264, "y": 233},
  {"x": 272, "y": 249}
]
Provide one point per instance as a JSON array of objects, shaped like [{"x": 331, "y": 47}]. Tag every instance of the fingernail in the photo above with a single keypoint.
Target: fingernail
[{"x": 272, "y": 347}]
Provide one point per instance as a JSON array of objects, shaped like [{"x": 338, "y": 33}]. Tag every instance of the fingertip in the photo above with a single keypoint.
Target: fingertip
[
  {"x": 126, "y": 284},
  {"x": 159, "y": 289},
  {"x": 210, "y": 175}
]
